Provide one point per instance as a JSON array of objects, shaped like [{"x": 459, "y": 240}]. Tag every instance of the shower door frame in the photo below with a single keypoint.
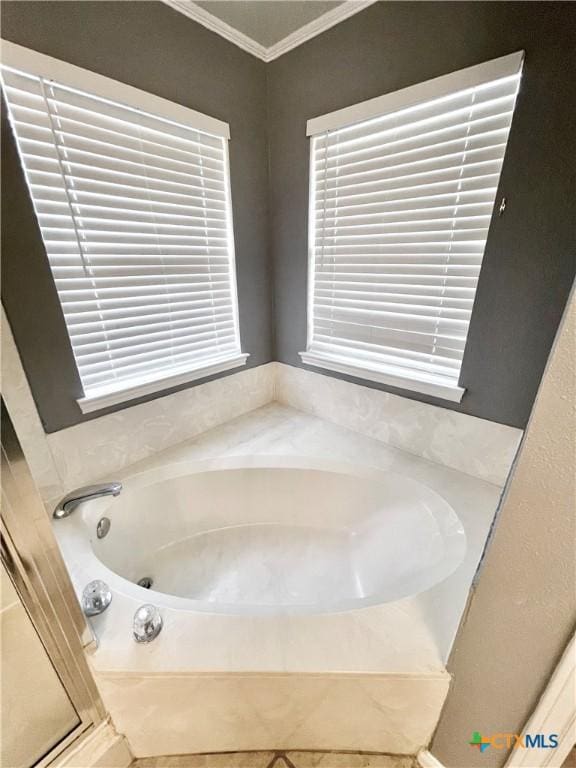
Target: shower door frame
[{"x": 30, "y": 554}]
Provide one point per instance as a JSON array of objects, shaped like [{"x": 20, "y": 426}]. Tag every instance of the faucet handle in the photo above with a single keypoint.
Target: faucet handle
[
  {"x": 147, "y": 623},
  {"x": 96, "y": 597},
  {"x": 69, "y": 503}
]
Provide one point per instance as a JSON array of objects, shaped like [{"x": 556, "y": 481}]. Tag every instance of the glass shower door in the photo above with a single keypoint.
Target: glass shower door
[
  {"x": 36, "y": 713},
  {"x": 48, "y": 698}
]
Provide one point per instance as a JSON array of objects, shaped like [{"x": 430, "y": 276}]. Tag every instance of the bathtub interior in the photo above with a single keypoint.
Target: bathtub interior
[{"x": 279, "y": 539}]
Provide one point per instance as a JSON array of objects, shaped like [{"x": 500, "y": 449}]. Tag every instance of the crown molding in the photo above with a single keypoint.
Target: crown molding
[
  {"x": 214, "y": 24},
  {"x": 317, "y": 26},
  {"x": 307, "y": 32}
]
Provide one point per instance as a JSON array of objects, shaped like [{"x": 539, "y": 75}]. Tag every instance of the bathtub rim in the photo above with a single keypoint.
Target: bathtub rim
[{"x": 80, "y": 557}]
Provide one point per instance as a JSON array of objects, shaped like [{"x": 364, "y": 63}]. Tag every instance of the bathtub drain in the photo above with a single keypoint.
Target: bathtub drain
[{"x": 146, "y": 582}]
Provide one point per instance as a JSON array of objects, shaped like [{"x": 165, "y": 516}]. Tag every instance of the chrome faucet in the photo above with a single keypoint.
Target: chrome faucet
[{"x": 68, "y": 504}]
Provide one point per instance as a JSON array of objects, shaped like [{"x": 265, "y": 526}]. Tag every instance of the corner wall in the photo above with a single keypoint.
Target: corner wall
[
  {"x": 529, "y": 263},
  {"x": 529, "y": 266},
  {"x": 152, "y": 47},
  {"x": 523, "y": 611}
]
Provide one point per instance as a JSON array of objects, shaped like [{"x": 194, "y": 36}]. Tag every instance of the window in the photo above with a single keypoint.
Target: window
[
  {"x": 132, "y": 195},
  {"x": 402, "y": 191}
]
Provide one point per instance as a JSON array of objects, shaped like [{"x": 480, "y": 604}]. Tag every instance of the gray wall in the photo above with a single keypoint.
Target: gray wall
[
  {"x": 529, "y": 263},
  {"x": 523, "y": 612},
  {"x": 150, "y": 46}
]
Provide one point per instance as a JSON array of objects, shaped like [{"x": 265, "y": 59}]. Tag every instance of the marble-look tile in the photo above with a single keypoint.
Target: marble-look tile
[
  {"x": 117, "y": 756},
  {"x": 220, "y": 713},
  {"x": 214, "y": 760},
  {"x": 348, "y": 760},
  {"x": 104, "y": 446},
  {"x": 83, "y": 453},
  {"x": 478, "y": 447},
  {"x": 22, "y": 409},
  {"x": 409, "y": 636}
]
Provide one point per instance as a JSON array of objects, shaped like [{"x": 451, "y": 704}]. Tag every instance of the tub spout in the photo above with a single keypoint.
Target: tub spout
[{"x": 68, "y": 504}]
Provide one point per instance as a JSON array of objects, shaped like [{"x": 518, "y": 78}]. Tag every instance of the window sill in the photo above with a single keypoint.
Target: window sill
[
  {"x": 106, "y": 398},
  {"x": 425, "y": 386}
]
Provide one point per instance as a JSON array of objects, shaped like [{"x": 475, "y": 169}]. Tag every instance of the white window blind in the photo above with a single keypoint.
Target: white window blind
[
  {"x": 135, "y": 214},
  {"x": 400, "y": 206}
]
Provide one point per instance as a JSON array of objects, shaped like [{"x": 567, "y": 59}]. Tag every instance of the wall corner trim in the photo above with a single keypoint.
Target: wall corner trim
[
  {"x": 554, "y": 713},
  {"x": 103, "y": 747},
  {"x": 293, "y": 40},
  {"x": 427, "y": 760}
]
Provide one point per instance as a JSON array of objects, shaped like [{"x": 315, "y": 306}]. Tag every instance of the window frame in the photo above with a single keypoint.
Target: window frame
[
  {"x": 40, "y": 65},
  {"x": 405, "y": 98}
]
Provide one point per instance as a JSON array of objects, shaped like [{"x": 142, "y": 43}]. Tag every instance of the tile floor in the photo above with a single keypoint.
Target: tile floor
[
  {"x": 278, "y": 760},
  {"x": 291, "y": 760}
]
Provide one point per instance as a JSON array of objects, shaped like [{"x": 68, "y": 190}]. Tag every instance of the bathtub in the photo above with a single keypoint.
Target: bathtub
[
  {"x": 308, "y": 602},
  {"x": 266, "y": 536}
]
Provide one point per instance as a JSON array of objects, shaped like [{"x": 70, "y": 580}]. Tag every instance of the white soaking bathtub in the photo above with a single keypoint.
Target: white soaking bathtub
[
  {"x": 265, "y": 536},
  {"x": 310, "y": 581}
]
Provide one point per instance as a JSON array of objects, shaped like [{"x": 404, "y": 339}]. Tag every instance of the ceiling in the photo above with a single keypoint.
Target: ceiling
[{"x": 268, "y": 28}]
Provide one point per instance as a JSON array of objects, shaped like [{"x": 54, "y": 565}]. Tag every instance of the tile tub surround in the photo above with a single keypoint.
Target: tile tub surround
[
  {"x": 112, "y": 442},
  {"x": 178, "y": 714},
  {"x": 407, "y": 639},
  {"x": 61, "y": 461},
  {"x": 240, "y": 665},
  {"x": 478, "y": 447},
  {"x": 92, "y": 450},
  {"x": 411, "y": 635}
]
